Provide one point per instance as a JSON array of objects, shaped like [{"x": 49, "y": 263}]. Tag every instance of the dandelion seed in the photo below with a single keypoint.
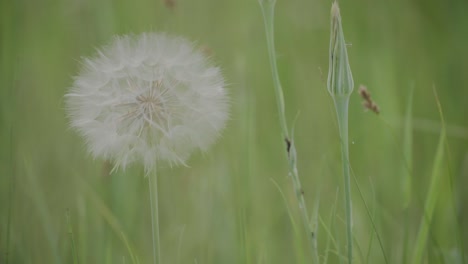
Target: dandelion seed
[{"x": 148, "y": 98}]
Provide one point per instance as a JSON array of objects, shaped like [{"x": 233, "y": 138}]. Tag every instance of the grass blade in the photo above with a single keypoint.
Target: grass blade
[
  {"x": 374, "y": 227},
  {"x": 72, "y": 238},
  {"x": 431, "y": 200},
  {"x": 408, "y": 152},
  {"x": 112, "y": 221},
  {"x": 407, "y": 171}
]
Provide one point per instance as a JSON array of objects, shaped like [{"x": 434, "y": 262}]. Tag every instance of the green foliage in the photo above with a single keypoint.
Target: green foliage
[{"x": 224, "y": 207}]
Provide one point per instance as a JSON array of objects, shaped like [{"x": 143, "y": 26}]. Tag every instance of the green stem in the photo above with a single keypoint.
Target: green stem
[
  {"x": 302, "y": 206},
  {"x": 72, "y": 238},
  {"x": 10, "y": 196},
  {"x": 341, "y": 105},
  {"x": 153, "y": 189},
  {"x": 268, "y": 11}
]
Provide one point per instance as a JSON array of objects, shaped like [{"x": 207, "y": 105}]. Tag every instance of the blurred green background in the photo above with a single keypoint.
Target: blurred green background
[{"x": 225, "y": 207}]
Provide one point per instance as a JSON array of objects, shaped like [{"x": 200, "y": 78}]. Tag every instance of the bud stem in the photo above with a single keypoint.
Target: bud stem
[
  {"x": 341, "y": 106},
  {"x": 340, "y": 85}
]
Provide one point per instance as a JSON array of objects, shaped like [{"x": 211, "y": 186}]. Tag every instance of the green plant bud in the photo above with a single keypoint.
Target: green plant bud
[{"x": 340, "y": 79}]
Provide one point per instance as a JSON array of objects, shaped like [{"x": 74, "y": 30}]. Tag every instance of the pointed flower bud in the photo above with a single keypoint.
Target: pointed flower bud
[{"x": 340, "y": 78}]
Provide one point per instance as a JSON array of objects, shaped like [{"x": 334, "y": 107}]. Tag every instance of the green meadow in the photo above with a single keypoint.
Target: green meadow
[{"x": 236, "y": 202}]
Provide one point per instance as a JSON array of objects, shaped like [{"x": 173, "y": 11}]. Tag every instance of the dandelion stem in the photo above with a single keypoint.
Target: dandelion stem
[
  {"x": 341, "y": 105},
  {"x": 153, "y": 189}
]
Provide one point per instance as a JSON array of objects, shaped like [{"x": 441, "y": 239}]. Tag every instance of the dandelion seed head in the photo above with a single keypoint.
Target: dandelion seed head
[{"x": 147, "y": 99}]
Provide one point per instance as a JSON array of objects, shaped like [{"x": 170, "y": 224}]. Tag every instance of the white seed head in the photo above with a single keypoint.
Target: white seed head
[{"x": 147, "y": 99}]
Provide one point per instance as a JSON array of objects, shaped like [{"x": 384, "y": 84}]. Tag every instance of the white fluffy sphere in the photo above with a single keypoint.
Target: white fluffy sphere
[{"x": 146, "y": 99}]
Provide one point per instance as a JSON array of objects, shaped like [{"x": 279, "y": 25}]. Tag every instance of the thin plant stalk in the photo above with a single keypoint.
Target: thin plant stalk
[
  {"x": 340, "y": 85},
  {"x": 154, "y": 203},
  {"x": 268, "y": 10},
  {"x": 459, "y": 237},
  {"x": 371, "y": 218},
  {"x": 433, "y": 193},
  {"x": 44, "y": 216},
  {"x": 9, "y": 75},
  {"x": 407, "y": 172},
  {"x": 431, "y": 201},
  {"x": 11, "y": 191},
  {"x": 72, "y": 238},
  {"x": 111, "y": 220}
]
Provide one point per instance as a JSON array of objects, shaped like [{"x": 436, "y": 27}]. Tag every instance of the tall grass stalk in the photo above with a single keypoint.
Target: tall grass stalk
[
  {"x": 112, "y": 221},
  {"x": 72, "y": 238},
  {"x": 10, "y": 196},
  {"x": 8, "y": 77},
  {"x": 12, "y": 182},
  {"x": 433, "y": 193},
  {"x": 298, "y": 249},
  {"x": 407, "y": 172},
  {"x": 38, "y": 197},
  {"x": 330, "y": 238},
  {"x": 458, "y": 236},
  {"x": 431, "y": 201},
  {"x": 340, "y": 84},
  {"x": 371, "y": 218},
  {"x": 371, "y": 240},
  {"x": 408, "y": 152},
  {"x": 268, "y": 11},
  {"x": 154, "y": 203}
]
